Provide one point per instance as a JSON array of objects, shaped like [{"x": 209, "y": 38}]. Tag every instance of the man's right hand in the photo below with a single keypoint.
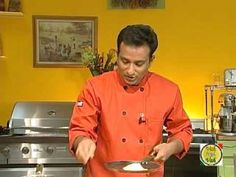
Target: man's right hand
[{"x": 85, "y": 150}]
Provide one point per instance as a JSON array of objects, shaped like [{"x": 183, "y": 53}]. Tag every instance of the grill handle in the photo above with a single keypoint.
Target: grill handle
[
  {"x": 43, "y": 128},
  {"x": 40, "y": 129}
]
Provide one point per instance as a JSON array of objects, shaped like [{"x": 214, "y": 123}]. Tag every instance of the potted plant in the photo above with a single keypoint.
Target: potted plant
[{"x": 98, "y": 63}]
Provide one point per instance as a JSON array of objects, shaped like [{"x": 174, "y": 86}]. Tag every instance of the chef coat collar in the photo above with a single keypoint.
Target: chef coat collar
[{"x": 132, "y": 87}]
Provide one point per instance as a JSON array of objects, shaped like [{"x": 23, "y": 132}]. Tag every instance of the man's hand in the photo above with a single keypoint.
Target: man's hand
[
  {"x": 163, "y": 151},
  {"x": 85, "y": 150}
]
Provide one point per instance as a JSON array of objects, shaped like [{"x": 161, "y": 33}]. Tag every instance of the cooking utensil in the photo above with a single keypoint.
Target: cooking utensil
[
  {"x": 148, "y": 158},
  {"x": 133, "y": 166}
]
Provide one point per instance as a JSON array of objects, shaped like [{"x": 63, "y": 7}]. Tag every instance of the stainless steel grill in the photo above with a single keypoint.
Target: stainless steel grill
[
  {"x": 43, "y": 118},
  {"x": 38, "y": 137}
]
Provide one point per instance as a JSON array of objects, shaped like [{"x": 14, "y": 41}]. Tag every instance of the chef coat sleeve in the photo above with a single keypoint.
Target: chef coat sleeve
[
  {"x": 85, "y": 115},
  {"x": 178, "y": 125}
]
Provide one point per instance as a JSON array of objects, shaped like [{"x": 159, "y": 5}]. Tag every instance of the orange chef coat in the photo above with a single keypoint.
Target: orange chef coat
[{"x": 126, "y": 122}]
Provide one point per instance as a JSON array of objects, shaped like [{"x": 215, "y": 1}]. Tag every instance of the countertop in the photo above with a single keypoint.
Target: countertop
[{"x": 226, "y": 137}]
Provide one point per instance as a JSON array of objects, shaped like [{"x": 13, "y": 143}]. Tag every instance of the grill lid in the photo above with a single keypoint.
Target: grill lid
[{"x": 40, "y": 118}]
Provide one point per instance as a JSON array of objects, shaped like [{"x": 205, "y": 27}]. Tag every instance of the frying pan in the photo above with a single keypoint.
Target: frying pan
[{"x": 147, "y": 166}]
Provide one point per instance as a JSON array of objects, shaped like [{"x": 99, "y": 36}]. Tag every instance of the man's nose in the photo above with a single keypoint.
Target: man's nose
[{"x": 131, "y": 69}]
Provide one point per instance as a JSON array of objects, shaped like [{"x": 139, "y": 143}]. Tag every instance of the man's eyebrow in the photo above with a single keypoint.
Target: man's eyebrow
[
  {"x": 123, "y": 58},
  {"x": 138, "y": 61}
]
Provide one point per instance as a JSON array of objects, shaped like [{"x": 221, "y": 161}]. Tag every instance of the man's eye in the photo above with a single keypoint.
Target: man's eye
[
  {"x": 125, "y": 61},
  {"x": 139, "y": 63}
]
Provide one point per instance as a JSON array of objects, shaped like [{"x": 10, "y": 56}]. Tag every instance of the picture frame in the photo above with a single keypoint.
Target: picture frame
[
  {"x": 14, "y": 6},
  {"x": 136, "y": 4},
  {"x": 58, "y": 41}
]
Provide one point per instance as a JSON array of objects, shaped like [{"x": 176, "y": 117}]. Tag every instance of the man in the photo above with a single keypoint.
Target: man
[{"x": 120, "y": 115}]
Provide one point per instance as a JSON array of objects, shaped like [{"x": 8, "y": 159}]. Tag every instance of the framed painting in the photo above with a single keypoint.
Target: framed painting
[
  {"x": 136, "y": 4},
  {"x": 59, "y": 40}
]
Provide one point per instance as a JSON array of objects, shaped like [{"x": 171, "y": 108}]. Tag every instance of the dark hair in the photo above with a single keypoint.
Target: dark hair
[{"x": 138, "y": 35}]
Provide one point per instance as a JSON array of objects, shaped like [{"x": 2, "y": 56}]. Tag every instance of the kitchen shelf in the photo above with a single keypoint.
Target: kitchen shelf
[
  {"x": 5, "y": 13},
  {"x": 210, "y": 101},
  {"x": 219, "y": 87}
]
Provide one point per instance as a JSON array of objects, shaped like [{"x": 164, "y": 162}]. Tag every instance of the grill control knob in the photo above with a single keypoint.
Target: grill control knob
[
  {"x": 25, "y": 150},
  {"x": 50, "y": 149},
  {"x": 5, "y": 151}
]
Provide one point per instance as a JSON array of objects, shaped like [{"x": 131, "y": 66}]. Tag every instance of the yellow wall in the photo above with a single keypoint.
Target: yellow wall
[{"x": 196, "y": 40}]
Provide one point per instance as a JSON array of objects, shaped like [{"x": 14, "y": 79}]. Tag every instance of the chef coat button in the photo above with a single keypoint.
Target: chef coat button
[
  {"x": 125, "y": 87},
  {"x": 141, "y": 89},
  {"x": 123, "y": 140},
  {"x": 124, "y": 113},
  {"x": 140, "y": 140}
]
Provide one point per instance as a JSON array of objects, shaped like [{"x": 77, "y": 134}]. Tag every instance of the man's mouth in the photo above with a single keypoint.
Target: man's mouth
[{"x": 130, "y": 78}]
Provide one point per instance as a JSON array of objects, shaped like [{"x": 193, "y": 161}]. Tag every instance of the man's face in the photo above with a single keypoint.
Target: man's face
[{"x": 133, "y": 63}]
